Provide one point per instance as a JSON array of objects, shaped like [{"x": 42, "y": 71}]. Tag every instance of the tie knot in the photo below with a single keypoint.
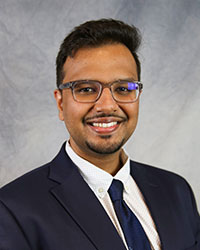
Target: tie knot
[{"x": 116, "y": 190}]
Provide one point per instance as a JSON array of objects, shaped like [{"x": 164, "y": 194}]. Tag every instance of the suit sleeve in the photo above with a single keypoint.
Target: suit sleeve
[
  {"x": 196, "y": 214},
  {"x": 11, "y": 235},
  {"x": 195, "y": 219}
]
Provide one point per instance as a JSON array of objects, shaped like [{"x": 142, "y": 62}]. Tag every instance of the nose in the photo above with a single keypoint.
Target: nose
[{"x": 106, "y": 103}]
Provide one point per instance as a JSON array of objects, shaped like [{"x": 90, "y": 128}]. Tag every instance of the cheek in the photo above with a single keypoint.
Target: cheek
[
  {"x": 131, "y": 110},
  {"x": 74, "y": 112},
  {"x": 72, "y": 116}
]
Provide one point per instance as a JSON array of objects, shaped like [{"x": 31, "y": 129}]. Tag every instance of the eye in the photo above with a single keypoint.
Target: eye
[
  {"x": 86, "y": 90},
  {"x": 122, "y": 89}
]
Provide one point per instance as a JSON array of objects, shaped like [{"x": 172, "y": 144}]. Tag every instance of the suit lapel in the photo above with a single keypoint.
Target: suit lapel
[
  {"x": 158, "y": 201},
  {"x": 81, "y": 203}
]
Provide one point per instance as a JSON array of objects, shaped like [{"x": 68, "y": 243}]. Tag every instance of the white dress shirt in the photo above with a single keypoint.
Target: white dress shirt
[{"x": 99, "y": 181}]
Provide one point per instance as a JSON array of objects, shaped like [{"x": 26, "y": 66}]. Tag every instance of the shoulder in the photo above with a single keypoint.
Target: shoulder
[
  {"x": 171, "y": 184},
  {"x": 36, "y": 180},
  {"x": 35, "y": 186},
  {"x": 26, "y": 183},
  {"x": 158, "y": 173}
]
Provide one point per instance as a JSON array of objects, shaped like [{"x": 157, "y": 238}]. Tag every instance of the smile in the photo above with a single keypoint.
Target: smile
[{"x": 104, "y": 125}]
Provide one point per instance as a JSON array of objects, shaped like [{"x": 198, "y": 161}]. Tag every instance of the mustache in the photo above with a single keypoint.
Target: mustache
[{"x": 103, "y": 115}]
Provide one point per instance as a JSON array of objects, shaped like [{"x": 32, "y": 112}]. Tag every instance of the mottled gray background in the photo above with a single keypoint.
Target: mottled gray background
[{"x": 168, "y": 131}]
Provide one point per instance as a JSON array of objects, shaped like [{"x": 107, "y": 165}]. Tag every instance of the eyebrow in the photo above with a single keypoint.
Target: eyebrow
[
  {"x": 127, "y": 79},
  {"x": 115, "y": 80}
]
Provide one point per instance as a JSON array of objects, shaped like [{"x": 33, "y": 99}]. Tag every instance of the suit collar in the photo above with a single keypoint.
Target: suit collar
[{"x": 81, "y": 203}]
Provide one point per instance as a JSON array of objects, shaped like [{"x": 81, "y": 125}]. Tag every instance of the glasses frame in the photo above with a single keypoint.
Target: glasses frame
[{"x": 71, "y": 84}]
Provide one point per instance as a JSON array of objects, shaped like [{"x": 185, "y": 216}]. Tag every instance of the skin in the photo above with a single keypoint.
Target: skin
[{"x": 100, "y": 146}]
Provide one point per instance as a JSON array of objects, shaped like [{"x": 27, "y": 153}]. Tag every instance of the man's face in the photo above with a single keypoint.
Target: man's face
[{"x": 104, "y": 126}]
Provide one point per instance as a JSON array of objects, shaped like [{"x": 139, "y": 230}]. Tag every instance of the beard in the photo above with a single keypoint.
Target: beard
[{"x": 106, "y": 147}]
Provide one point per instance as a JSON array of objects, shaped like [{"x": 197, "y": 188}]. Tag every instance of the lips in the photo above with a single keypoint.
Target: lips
[
  {"x": 104, "y": 128},
  {"x": 104, "y": 125}
]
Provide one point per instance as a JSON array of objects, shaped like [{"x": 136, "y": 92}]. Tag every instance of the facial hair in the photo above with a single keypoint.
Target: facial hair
[{"x": 102, "y": 149}]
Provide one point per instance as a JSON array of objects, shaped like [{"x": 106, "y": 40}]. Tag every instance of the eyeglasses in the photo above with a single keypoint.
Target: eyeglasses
[{"x": 89, "y": 91}]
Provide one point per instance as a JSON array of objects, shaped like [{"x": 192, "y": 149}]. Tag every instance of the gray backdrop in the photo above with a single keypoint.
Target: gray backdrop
[{"x": 168, "y": 131}]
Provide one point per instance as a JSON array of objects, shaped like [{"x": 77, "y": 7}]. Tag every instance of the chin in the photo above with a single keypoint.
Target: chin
[{"x": 105, "y": 148}]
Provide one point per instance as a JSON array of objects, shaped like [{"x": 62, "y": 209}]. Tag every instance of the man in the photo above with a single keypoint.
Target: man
[{"x": 92, "y": 196}]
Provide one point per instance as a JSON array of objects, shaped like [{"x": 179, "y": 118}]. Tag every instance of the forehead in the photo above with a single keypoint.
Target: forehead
[{"x": 112, "y": 60}]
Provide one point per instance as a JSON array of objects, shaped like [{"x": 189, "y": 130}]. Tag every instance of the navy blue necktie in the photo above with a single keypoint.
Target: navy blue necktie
[{"x": 135, "y": 236}]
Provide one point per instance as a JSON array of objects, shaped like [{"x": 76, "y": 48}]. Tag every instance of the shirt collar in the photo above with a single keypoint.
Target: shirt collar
[{"x": 97, "y": 179}]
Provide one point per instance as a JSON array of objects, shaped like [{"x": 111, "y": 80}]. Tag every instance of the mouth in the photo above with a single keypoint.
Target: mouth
[
  {"x": 104, "y": 128},
  {"x": 104, "y": 125}
]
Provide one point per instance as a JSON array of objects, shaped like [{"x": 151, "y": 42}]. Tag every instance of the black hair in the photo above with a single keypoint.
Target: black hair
[{"x": 95, "y": 34}]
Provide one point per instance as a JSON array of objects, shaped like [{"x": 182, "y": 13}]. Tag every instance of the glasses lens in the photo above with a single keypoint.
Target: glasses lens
[
  {"x": 86, "y": 91},
  {"x": 125, "y": 91}
]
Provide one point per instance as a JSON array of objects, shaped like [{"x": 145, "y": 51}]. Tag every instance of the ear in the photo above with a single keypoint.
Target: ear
[{"x": 59, "y": 101}]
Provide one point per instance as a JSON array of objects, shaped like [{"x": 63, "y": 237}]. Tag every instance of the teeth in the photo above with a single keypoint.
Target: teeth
[{"x": 104, "y": 125}]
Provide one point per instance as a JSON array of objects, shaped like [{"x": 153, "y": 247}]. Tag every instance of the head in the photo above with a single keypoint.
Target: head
[
  {"x": 93, "y": 34},
  {"x": 104, "y": 51}
]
